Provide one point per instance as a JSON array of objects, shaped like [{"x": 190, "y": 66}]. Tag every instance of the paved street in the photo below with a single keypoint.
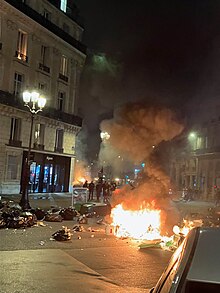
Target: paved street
[{"x": 119, "y": 261}]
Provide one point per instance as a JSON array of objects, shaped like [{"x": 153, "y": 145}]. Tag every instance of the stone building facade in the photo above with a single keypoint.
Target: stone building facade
[
  {"x": 195, "y": 163},
  {"x": 40, "y": 49}
]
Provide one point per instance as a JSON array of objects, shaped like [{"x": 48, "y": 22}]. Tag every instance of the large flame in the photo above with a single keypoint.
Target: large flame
[{"x": 138, "y": 224}]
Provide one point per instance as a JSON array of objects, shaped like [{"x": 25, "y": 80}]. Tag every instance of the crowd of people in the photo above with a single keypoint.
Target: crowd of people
[{"x": 100, "y": 189}]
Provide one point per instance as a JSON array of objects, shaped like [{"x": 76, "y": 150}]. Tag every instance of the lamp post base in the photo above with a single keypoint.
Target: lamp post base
[{"x": 24, "y": 202}]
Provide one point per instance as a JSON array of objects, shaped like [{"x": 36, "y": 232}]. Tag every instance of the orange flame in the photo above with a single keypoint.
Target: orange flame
[{"x": 139, "y": 224}]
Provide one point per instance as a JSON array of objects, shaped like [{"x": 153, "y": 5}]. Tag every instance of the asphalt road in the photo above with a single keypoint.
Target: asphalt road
[
  {"x": 121, "y": 261},
  {"x": 118, "y": 260}
]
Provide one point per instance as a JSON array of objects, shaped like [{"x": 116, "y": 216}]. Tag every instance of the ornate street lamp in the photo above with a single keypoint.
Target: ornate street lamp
[{"x": 35, "y": 103}]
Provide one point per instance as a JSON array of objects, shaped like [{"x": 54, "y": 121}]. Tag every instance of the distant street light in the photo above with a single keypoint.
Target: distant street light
[{"x": 35, "y": 103}]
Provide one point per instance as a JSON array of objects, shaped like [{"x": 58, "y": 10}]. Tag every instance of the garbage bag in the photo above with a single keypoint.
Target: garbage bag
[
  {"x": 53, "y": 218},
  {"x": 63, "y": 234},
  {"x": 39, "y": 213},
  {"x": 68, "y": 213}
]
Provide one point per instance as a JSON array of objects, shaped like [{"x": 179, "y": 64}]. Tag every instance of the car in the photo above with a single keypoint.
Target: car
[{"x": 195, "y": 265}]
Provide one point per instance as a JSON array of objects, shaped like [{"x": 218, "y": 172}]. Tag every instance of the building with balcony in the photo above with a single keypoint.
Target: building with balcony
[
  {"x": 41, "y": 49},
  {"x": 196, "y": 161}
]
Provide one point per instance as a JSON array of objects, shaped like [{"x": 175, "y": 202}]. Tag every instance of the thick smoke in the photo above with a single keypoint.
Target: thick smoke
[{"x": 136, "y": 131}]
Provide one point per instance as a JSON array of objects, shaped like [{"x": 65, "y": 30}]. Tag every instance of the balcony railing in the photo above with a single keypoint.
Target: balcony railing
[
  {"x": 21, "y": 56},
  {"x": 63, "y": 77},
  {"x": 24, "y": 8},
  {"x": 38, "y": 146},
  {"x": 15, "y": 143},
  {"x": 44, "y": 68},
  {"x": 10, "y": 100}
]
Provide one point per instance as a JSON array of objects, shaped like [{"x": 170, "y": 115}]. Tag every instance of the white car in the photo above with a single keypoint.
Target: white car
[{"x": 195, "y": 265}]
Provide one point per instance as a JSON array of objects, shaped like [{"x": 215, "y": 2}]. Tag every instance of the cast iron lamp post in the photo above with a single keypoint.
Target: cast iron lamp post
[{"x": 35, "y": 104}]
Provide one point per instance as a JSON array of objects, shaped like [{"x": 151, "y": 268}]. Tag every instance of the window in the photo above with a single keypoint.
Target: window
[
  {"x": 47, "y": 14},
  {"x": 61, "y": 99},
  {"x": 44, "y": 54},
  {"x": 18, "y": 83},
  {"x": 12, "y": 168},
  {"x": 63, "y": 4},
  {"x": 0, "y": 28},
  {"x": 63, "y": 65},
  {"x": 21, "y": 52},
  {"x": 15, "y": 129},
  {"x": 39, "y": 134},
  {"x": 59, "y": 140},
  {"x": 42, "y": 86},
  {"x": 66, "y": 28}
]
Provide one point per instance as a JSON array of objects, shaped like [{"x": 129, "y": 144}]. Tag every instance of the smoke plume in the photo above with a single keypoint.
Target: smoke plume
[{"x": 136, "y": 131}]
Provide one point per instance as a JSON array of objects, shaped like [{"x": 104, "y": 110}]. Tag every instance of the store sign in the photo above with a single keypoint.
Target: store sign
[{"x": 49, "y": 158}]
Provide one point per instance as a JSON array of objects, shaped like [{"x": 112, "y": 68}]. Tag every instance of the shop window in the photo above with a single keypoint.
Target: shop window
[
  {"x": 59, "y": 140},
  {"x": 61, "y": 100},
  {"x": 18, "y": 83},
  {"x": 21, "y": 52},
  {"x": 15, "y": 131},
  {"x": 12, "y": 170}
]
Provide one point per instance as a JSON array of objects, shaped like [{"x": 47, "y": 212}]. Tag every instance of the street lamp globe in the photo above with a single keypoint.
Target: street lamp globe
[{"x": 26, "y": 97}]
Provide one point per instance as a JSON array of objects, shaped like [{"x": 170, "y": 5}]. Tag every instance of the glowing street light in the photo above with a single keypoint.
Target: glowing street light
[{"x": 35, "y": 103}]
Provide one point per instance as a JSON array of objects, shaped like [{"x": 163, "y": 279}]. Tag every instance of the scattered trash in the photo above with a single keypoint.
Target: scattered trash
[
  {"x": 68, "y": 213},
  {"x": 78, "y": 228},
  {"x": 40, "y": 214},
  {"x": 83, "y": 220},
  {"x": 42, "y": 243},
  {"x": 79, "y": 237},
  {"x": 63, "y": 234},
  {"x": 92, "y": 236}
]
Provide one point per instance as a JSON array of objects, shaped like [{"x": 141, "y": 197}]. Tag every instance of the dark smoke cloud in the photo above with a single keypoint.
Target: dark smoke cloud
[{"x": 136, "y": 131}]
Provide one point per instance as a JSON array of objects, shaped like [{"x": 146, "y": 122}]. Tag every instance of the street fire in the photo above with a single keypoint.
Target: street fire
[{"x": 138, "y": 224}]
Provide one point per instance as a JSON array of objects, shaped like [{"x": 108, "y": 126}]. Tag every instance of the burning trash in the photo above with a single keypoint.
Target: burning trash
[{"x": 63, "y": 234}]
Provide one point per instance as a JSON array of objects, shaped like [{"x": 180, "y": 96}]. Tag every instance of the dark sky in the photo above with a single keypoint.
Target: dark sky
[{"x": 164, "y": 51}]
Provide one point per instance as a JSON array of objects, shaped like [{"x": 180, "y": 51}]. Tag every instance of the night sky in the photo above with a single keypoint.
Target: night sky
[{"x": 159, "y": 51}]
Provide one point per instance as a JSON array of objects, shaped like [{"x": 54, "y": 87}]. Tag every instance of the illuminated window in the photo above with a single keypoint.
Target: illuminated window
[
  {"x": 63, "y": 4},
  {"x": 18, "y": 83},
  {"x": 21, "y": 52},
  {"x": 61, "y": 99},
  {"x": 12, "y": 170},
  {"x": 39, "y": 133},
  {"x": 63, "y": 65}
]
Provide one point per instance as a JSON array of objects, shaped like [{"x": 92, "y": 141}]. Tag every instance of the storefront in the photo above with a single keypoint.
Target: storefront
[{"x": 48, "y": 173}]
